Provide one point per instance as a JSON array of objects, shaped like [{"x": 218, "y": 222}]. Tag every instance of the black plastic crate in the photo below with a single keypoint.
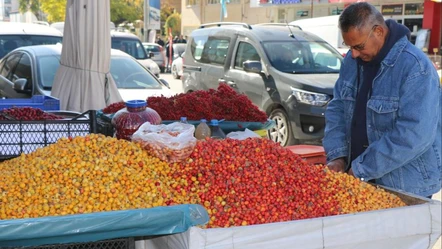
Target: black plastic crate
[
  {"x": 123, "y": 243},
  {"x": 105, "y": 127},
  {"x": 17, "y": 137}
]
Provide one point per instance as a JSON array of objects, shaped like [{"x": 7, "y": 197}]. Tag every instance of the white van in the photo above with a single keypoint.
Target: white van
[
  {"x": 15, "y": 34},
  {"x": 327, "y": 28}
]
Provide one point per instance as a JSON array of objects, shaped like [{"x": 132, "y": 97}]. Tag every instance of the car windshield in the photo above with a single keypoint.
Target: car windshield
[
  {"x": 132, "y": 47},
  {"x": 303, "y": 57},
  {"x": 11, "y": 42},
  {"x": 152, "y": 48},
  {"x": 127, "y": 73}
]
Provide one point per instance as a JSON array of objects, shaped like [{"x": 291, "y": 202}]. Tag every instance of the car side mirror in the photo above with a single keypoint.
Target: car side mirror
[
  {"x": 20, "y": 85},
  {"x": 165, "y": 83},
  {"x": 151, "y": 55},
  {"x": 252, "y": 66}
]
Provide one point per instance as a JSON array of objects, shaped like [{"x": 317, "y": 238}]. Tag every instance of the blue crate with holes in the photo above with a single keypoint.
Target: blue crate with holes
[{"x": 42, "y": 102}]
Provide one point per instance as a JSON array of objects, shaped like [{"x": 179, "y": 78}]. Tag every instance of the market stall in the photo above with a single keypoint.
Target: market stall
[{"x": 160, "y": 188}]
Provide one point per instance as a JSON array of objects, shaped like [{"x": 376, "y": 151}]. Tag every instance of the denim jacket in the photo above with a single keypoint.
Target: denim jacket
[{"x": 404, "y": 113}]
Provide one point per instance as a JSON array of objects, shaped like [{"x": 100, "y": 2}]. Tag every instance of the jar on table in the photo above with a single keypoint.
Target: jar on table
[{"x": 127, "y": 120}]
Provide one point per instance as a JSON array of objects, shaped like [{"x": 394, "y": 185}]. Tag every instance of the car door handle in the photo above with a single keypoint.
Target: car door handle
[
  {"x": 231, "y": 83},
  {"x": 190, "y": 68}
]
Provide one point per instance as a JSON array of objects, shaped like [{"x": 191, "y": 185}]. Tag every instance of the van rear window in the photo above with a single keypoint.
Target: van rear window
[
  {"x": 211, "y": 50},
  {"x": 11, "y": 42}
]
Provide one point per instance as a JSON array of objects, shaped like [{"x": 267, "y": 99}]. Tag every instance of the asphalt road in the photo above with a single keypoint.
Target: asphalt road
[{"x": 175, "y": 85}]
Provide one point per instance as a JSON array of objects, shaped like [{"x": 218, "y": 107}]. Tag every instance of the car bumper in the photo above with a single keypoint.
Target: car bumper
[{"x": 307, "y": 121}]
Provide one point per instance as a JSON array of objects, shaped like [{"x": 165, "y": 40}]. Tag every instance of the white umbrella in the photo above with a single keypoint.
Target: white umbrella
[{"x": 83, "y": 81}]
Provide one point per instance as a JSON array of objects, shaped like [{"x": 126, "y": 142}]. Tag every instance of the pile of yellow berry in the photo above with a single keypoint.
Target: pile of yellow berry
[{"x": 82, "y": 175}]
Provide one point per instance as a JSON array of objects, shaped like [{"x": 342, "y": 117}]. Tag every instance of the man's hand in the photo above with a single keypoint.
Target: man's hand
[
  {"x": 337, "y": 165},
  {"x": 350, "y": 172}
]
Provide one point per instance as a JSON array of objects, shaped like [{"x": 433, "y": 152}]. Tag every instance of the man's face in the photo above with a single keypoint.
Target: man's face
[{"x": 364, "y": 43}]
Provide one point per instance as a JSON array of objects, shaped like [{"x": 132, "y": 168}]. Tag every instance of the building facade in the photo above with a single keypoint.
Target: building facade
[
  {"x": 415, "y": 14},
  {"x": 5, "y": 10}
]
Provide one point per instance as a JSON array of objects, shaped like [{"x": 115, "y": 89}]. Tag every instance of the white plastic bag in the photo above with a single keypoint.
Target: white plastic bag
[
  {"x": 172, "y": 143},
  {"x": 241, "y": 135}
]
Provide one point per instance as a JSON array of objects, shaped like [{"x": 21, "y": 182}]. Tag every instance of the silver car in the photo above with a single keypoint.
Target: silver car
[
  {"x": 131, "y": 44},
  {"x": 31, "y": 70},
  {"x": 159, "y": 54}
]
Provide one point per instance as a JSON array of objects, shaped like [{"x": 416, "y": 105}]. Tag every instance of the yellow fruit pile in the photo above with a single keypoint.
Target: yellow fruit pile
[
  {"x": 357, "y": 196},
  {"x": 82, "y": 175}
]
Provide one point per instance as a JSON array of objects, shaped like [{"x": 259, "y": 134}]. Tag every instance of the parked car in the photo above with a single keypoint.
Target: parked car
[
  {"x": 178, "y": 49},
  {"x": 159, "y": 54},
  {"x": 132, "y": 45},
  {"x": 286, "y": 72},
  {"x": 177, "y": 66},
  {"x": 14, "y": 35},
  {"x": 29, "y": 71}
]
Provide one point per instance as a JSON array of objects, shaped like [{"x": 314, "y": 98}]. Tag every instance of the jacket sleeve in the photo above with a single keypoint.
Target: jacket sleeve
[
  {"x": 334, "y": 141},
  {"x": 415, "y": 128}
]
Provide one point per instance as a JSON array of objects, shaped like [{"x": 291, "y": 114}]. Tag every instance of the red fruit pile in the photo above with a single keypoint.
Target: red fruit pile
[
  {"x": 115, "y": 107},
  {"x": 26, "y": 114},
  {"x": 223, "y": 103},
  {"x": 256, "y": 181}
]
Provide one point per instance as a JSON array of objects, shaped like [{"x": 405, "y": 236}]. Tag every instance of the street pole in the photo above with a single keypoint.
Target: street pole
[
  {"x": 311, "y": 9},
  {"x": 146, "y": 20}
]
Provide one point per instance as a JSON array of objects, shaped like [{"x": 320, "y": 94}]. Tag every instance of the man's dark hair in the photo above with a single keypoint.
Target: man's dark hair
[{"x": 359, "y": 15}]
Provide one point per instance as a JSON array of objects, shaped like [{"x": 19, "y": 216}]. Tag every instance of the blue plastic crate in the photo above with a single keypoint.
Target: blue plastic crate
[{"x": 43, "y": 102}]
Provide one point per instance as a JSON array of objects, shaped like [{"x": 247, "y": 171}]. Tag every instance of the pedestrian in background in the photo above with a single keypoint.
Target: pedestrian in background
[
  {"x": 159, "y": 41},
  {"x": 384, "y": 121},
  {"x": 169, "y": 55},
  {"x": 181, "y": 40}
]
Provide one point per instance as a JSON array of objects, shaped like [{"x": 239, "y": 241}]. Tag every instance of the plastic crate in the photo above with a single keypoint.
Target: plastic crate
[
  {"x": 313, "y": 154},
  {"x": 17, "y": 137},
  {"x": 123, "y": 243},
  {"x": 37, "y": 101},
  {"x": 105, "y": 127}
]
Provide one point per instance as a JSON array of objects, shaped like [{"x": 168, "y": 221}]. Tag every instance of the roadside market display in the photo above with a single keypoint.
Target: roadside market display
[
  {"x": 252, "y": 181},
  {"x": 238, "y": 185}
]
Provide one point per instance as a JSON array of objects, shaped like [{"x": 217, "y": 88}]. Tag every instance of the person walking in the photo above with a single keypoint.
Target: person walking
[
  {"x": 159, "y": 41},
  {"x": 384, "y": 122}
]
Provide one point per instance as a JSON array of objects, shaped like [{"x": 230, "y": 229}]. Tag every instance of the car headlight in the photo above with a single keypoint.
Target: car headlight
[{"x": 310, "y": 98}]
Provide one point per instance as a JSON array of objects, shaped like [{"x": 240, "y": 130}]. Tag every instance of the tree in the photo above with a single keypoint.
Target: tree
[
  {"x": 54, "y": 9},
  {"x": 173, "y": 22},
  {"x": 121, "y": 10},
  {"x": 166, "y": 11},
  {"x": 126, "y": 11}
]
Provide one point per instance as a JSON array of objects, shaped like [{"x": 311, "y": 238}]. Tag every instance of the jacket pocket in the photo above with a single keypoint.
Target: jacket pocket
[
  {"x": 348, "y": 94},
  {"x": 383, "y": 114}
]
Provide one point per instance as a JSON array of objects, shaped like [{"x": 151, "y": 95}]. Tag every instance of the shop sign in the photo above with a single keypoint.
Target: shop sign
[
  {"x": 302, "y": 13},
  {"x": 283, "y": 1},
  {"x": 392, "y": 9},
  {"x": 414, "y": 9}
]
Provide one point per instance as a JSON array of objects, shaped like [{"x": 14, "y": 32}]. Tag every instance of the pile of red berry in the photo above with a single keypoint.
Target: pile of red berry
[
  {"x": 223, "y": 103},
  {"x": 26, "y": 114}
]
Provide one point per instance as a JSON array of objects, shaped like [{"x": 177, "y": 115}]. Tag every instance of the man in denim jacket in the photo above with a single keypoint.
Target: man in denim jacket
[{"x": 384, "y": 122}]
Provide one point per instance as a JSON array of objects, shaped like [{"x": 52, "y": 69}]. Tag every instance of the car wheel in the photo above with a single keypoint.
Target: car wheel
[
  {"x": 282, "y": 132},
  {"x": 175, "y": 72}
]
